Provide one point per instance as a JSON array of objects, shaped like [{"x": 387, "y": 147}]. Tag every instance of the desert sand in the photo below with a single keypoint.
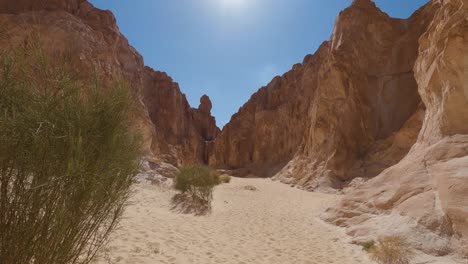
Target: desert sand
[{"x": 275, "y": 224}]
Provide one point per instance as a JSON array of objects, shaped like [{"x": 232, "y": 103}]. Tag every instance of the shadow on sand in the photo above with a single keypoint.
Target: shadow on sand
[{"x": 190, "y": 204}]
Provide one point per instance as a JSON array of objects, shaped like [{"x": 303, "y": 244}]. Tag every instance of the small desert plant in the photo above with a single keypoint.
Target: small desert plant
[
  {"x": 392, "y": 250},
  {"x": 225, "y": 178},
  {"x": 67, "y": 159},
  {"x": 464, "y": 253},
  {"x": 463, "y": 249},
  {"x": 197, "y": 181},
  {"x": 368, "y": 245}
]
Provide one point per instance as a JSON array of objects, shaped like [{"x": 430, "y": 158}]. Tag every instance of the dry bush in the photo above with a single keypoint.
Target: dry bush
[
  {"x": 464, "y": 253},
  {"x": 250, "y": 188},
  {"x": 463, "y": 249},
  {"x": 67, "y": 159},
  {"x": 443, "y": 250},
  {"x": 225, "y": 179},
  {"x": 392, "y": 250},
  {"x": 368, "y": 245},
  {"x": 197, "y": 181}
]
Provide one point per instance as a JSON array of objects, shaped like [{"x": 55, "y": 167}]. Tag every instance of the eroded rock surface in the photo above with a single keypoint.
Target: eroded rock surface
[
  {"x": 385, "y": 100},
  {"x": 268, "y": 130},
  {"x": 425, "y": 196},
  {"x": 366, "y": 111},
  {"x": 351, "y": 109},
  {"x": 172, "y": 130}
]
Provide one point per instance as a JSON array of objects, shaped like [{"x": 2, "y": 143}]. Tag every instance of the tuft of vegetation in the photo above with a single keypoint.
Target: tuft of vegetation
[
  {"x": 67, "y": 159},
  {"x": 197, "y": 181},
  {"x": 392, "y": 250},
  {"x": 250, "y": 188},
  {"x": 368, "y": 245},
  {"x": 464, "y": 253},
  {"x": 225, "y": 178},
  {"x": 463, "y": 249}
]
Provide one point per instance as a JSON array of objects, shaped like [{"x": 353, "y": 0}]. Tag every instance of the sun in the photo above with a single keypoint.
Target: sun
[{"x": 233, "y": 4}]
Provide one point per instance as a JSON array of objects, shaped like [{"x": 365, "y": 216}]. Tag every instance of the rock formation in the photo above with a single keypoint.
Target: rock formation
[
  {"x": 366, "y": 111},
  {"x": 337, "y": 115},
  {"x": 425, "y": 194},
  {"x": 381, "y": 108},
  {"x": 385, "y": 100},
  {"x": 267, "y": 131},
  {"x": 182, "y": 132},
  {"x": 173, "y": 132}
]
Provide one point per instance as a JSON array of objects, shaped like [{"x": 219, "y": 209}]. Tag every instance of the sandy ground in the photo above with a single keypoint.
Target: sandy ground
[{"x": 275, "y": 225}]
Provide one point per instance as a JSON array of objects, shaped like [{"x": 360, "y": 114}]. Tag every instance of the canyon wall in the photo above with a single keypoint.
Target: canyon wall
[
  {"x": 351, "y": 109},
  {"x": 267, "y": 131},
  {"x": 381, "y": 110},
  {"x": 366, "y": 112},
  {"x": 425, "y": 195},
  {"x": 173, "y": 131}
]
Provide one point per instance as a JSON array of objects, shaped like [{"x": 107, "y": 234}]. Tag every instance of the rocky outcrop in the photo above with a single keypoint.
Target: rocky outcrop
[
  {"x": 425, "y": 195},
  {"x": 337, "y": 115},
  {"x": 182, "y": 132},
  {"x": 172, "y": 130},
  {"x": 385, "y": 100},
  {"x": 366, "y": 94},
  {"x": 267, "y": 131}
]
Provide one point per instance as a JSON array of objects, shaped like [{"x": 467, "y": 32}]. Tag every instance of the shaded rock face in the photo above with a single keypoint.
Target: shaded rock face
[
  {"x": 172, "y": 131},
  {"x": 385, "y": 100},
  {"x": 424, "y": 196},
  {"x": 267, "y": 131},
  {"x": 182, "y": 132},
  {"x": 366, "y": 94},
  {"x": 337, "y": 115}
]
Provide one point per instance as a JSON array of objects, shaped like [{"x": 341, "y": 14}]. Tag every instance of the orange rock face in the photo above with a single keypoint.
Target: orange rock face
[
  {"x": 267, "y": 131},
  {"x": 173, "y": 132},
  {"x": 366, "y": 93},
  {"x": 425, "y": 195},
  {"x": 385, "y": 100},
  {"x": 182, "y": 132},
  {"x": 337, "y": 115}
]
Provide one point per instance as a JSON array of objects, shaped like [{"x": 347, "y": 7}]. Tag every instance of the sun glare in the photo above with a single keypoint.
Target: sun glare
[{"x": 233, "y": 4}]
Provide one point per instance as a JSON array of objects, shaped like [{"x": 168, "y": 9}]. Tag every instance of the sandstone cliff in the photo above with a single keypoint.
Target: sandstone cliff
[
  {"x": 267, "y": 131},
  {"x": 425, "y": 194},
  {"x": 385, "y": 100},
  {"x": 173, "y": 132},
  {"x": 366, "y": 112},
  {"x": 338, "y": 114}
]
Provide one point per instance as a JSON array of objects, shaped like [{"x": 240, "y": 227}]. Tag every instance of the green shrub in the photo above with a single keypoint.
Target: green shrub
[
  {"x": 197, "y": 181},
  {"x": 225, "y": 178},
  {"x": 67, "y": 160},
  {"x": 392, "y": 250},
  {"x": 368, "y": 245}
]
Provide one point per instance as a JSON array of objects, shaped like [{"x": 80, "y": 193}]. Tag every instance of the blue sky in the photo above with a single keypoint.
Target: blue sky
[{"x": 228, "y": 49}]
